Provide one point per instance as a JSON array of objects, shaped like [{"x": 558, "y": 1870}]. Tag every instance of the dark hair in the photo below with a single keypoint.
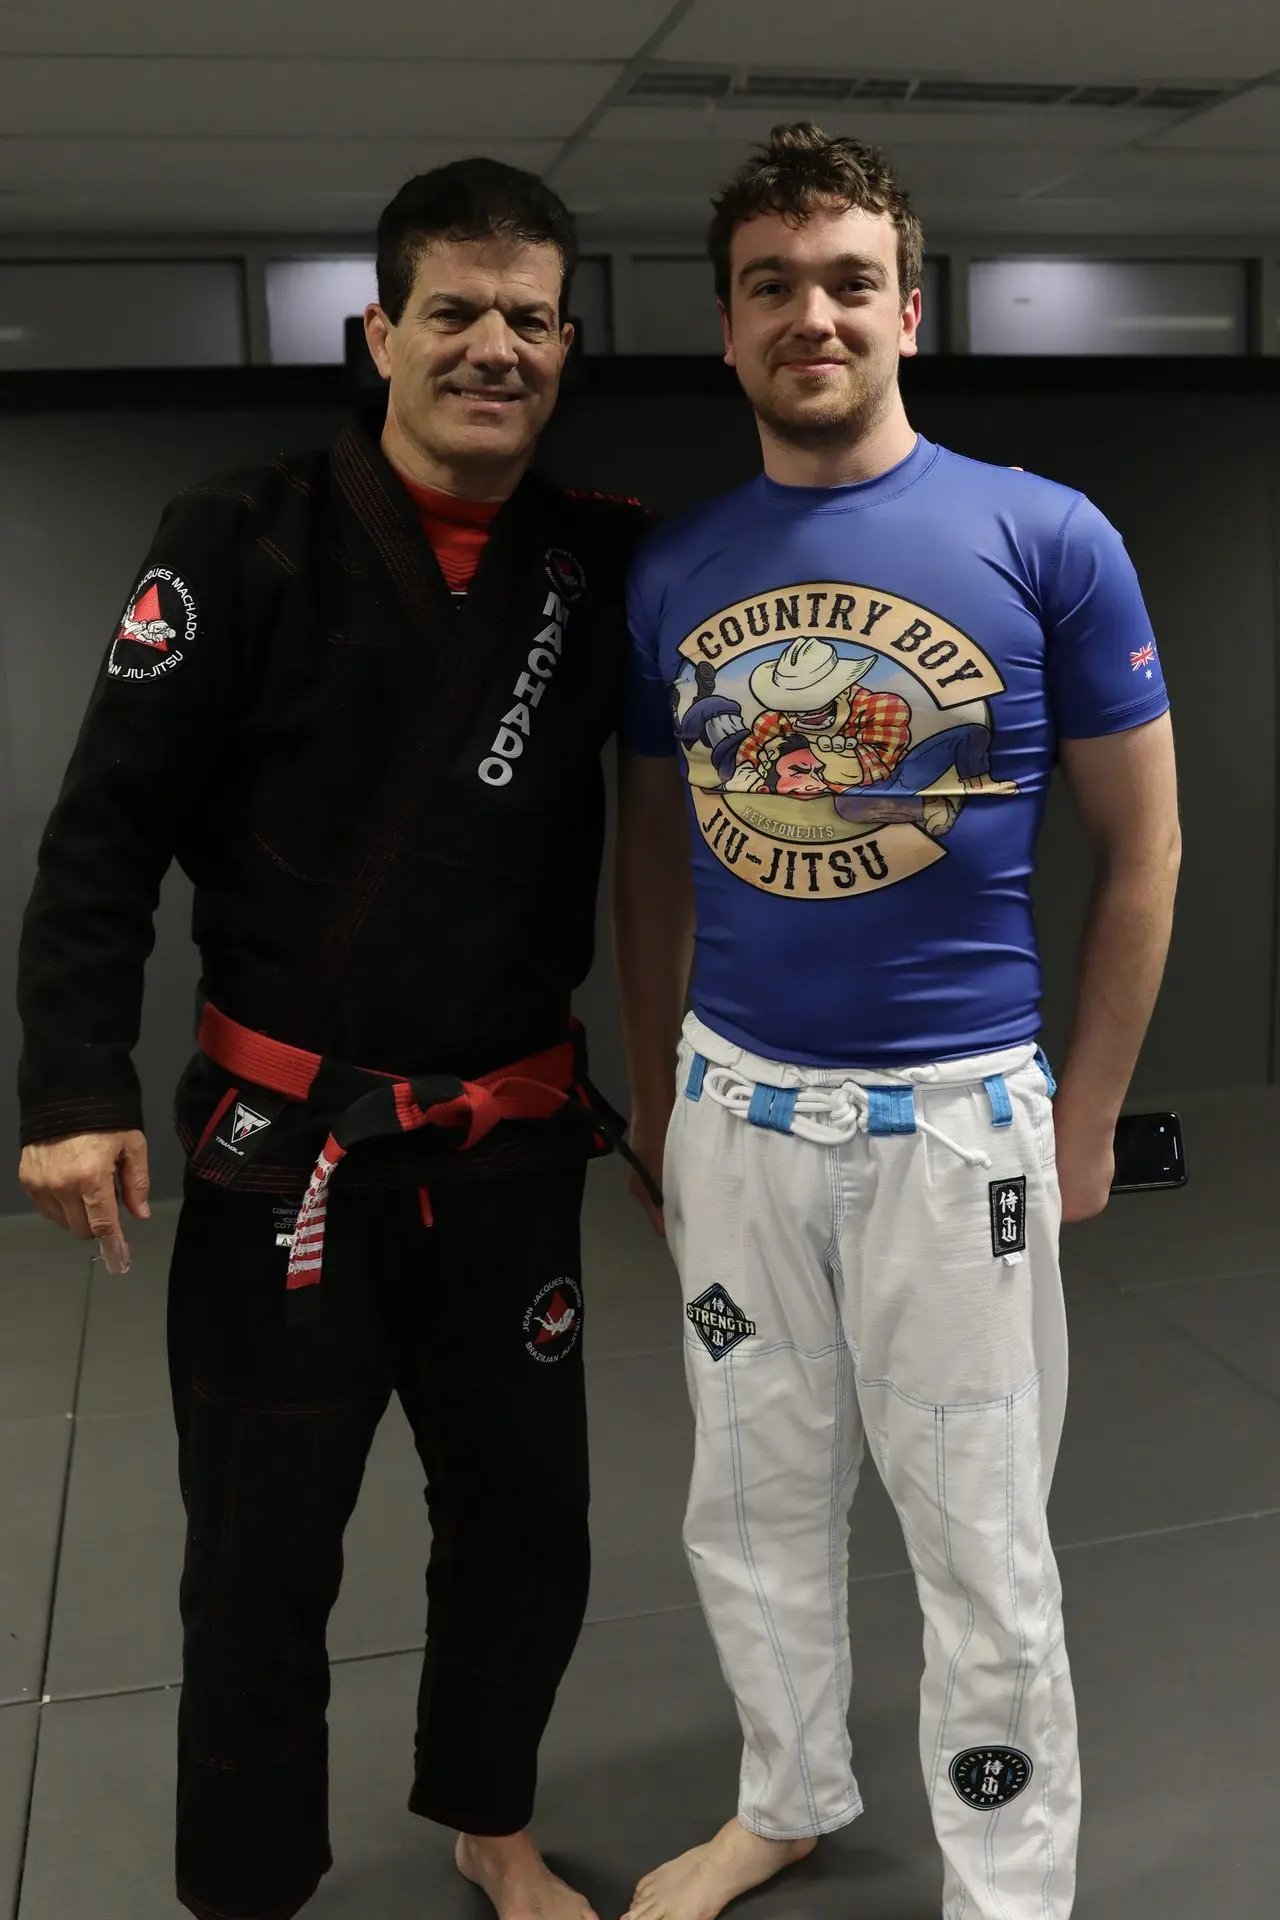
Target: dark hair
[
  {"x": 476, "y": 199},
  {"x": 800, "y": 170}
]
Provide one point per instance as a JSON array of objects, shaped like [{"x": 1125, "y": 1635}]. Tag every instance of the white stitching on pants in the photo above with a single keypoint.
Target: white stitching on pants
[
  {"x": 940, "y": 1451},
  {"x": 838, "y": 1488},
  {"x": 1020, "y": 1682},
  {"x": 1051, "y": 1724},
  {"x": 839, "y": 1480},
  {"x": 744, "y": 1538}
]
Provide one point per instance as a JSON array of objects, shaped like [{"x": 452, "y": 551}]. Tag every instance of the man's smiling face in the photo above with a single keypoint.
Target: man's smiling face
[
  {"x": 475, "y": 359},
  {"x": 816, "y": 321}
]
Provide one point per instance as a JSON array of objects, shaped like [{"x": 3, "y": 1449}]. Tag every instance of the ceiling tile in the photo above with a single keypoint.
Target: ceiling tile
[
  {"x": 506, "y": 29},
  {"x": 1230, "y": 180},
  {"x": 1067, "y": 127},
  {"x": 623, "y": 173},
  {"x": 276, "y": 98},
  {"x": 1249, "y": 124},
  {"x": 289, "y": 171},
  {"x": 1001, "y": 39}
]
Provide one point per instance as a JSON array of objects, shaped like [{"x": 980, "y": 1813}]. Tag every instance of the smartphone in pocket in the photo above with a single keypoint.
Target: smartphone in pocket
[{"x": 1149, "y": 1153}]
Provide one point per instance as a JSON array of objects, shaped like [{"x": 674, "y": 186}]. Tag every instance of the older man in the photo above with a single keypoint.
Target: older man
[{"x": 360, "y": 696}]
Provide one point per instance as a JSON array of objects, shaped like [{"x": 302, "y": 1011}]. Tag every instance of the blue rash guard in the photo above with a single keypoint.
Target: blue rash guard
[{"x": 866, "y": 686}]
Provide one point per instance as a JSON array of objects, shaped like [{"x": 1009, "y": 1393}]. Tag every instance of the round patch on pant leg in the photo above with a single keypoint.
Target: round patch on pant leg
[
  {"x": 990, "y": 1776},
  {"x": 554, "y": 1321}
]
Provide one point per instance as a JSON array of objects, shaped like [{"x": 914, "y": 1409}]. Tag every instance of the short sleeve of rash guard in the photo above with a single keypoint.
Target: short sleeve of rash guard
[
  {"x": 646, "y": 725},
  {"x": 1104, "y": 667}
]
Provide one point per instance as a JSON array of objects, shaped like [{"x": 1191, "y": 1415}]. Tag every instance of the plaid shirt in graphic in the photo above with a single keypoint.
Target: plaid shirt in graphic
[{"x": 874, "y": 728}]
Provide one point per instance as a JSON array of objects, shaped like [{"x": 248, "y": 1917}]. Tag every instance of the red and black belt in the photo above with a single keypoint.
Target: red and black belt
[{"x": 362, "y": 1104}]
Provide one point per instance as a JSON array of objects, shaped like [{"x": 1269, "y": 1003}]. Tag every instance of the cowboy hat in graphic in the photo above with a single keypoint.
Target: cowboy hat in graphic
[{"x": 807, "y": 677}]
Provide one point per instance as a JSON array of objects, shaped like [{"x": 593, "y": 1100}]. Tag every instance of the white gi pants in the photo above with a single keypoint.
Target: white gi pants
[{"x": 853, "y": 1286}]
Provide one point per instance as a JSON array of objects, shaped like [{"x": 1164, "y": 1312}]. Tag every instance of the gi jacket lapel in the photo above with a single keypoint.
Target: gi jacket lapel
[
  {"x": 461, "y": 641},
  {"x": 461, "y": 636}
]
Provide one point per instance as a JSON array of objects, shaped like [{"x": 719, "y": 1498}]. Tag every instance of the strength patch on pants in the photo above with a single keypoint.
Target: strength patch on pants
[
  {"x": 718, "y": 1323},
  {"x": 1008, "y": 1215},
  {"x": 990, "y": 1776}
]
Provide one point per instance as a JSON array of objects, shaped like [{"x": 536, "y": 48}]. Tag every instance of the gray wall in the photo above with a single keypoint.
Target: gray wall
[
  {"x": 80, "y": 495},
  {"x": 1189, "y": 480}
]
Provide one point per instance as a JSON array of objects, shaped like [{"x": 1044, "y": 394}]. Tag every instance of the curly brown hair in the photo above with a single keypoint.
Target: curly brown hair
[{"x": 801, "y": 169}]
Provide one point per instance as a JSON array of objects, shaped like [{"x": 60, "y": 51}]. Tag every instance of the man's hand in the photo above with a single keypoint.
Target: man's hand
[
  {"x": 1086, "y": 1161},
  {"x": 647, "y": 1138},
  {"x": 73, "y": 1182}
]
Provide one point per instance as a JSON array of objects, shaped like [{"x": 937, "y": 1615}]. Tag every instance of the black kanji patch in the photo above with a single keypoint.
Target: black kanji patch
[
  {"x": 718, "y": 1323},
  {"x": 1008, "y": 1215},
  {"x": 990, "y": 1776}
]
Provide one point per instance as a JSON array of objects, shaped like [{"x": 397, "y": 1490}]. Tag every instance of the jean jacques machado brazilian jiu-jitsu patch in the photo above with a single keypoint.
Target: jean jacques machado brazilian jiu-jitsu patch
[
  {"x": 554, "y": 1321},
  {"x": 157, "y": 629},
  {"x": 564, "y": 570}
]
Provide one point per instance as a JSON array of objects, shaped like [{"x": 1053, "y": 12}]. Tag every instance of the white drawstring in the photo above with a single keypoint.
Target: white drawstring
[{"x": 844, "y": 1109}]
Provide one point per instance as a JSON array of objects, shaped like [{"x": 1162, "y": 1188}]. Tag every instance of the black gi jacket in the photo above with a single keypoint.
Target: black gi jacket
[{"x": 292, "y": 666}]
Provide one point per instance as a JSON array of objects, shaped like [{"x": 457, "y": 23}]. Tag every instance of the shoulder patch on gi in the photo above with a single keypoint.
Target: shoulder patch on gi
[
  {"x": 990, "y": 1776},
  {"x": 157, "y": 629},
  {"x": 719, "y": 1324},
  {"x": 1008, "y": 1200},
  {"x": 564, "y": 571}
]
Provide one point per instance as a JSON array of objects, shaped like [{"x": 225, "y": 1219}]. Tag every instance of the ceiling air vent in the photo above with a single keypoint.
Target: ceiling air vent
[
  {"x": 883, "y": 89},
  {"x": 990, "y": 93},
  {"x": 794, "y": 86},
  {"x": 758, "y": 86},
  {"x": 1179, "y": 99},
  {"x": 679, "y": 83},
  {"x": 1105, "y": 96}
]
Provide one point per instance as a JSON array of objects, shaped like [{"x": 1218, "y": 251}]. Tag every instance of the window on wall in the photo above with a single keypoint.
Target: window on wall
[
  {"x": 1108, "y": 306},
  {"x": 674, "y": 305},
  {"x": 932, "y": 284},
  {"x": 310, "y": 301},
  {"x": 73, "y": 314}
]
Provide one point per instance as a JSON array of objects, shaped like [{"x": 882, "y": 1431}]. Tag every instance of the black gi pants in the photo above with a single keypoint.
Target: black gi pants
[{"x": 466, "y": 1322}]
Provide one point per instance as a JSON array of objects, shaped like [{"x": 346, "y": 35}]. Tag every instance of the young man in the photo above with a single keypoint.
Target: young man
[
  {"x": 860, "y": 1178},
  {"x": 361, "y": 697}
]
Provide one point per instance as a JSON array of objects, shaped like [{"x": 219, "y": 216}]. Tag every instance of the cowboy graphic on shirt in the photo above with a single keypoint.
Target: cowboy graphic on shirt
[{"x": 810, "y": 690}]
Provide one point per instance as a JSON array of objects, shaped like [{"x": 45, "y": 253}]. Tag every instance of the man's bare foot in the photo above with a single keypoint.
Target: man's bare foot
[
  {"x": 700, "y": 1885},
  {"x": 517, "y": 1879}
]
